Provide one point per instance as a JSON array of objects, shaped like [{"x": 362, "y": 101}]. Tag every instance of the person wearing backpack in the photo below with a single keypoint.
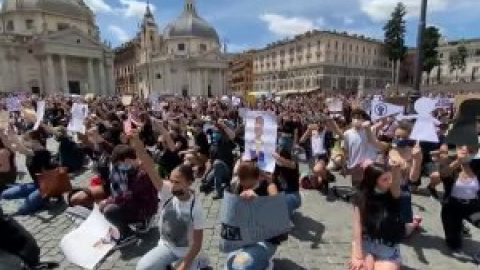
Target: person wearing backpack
[{"x": 182, "y": 219}]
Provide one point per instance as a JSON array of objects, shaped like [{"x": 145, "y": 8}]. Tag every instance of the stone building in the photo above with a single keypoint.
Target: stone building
[
  {"x": 321, "y": 60},
  {"x": 51, "y": 47},
  {"x": 125, "y": 64},
  {"x": 443, "y": 74},
  {"x": 184, "y": 59},
  {"x": 240, "y": 73}
]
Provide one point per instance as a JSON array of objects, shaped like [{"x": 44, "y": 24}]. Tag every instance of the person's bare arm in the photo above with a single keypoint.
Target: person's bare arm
[
  {"x": 227, "y": 130},
  {"x": 307, "y": 134},
  {"x": 382, "y": 146},
  {"x": 416, "y": 168},
  {"x": 156, "y": 124},
  {"x": 193, "y": 252}
]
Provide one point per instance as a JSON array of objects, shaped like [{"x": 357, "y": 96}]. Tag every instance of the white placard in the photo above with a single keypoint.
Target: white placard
[
  {"x": 381, "y": 110},
  {"x": 87, "y": 245},
  {"x": 39, "y": 114},
  {"x": 79, "y": 114},
  {"x": 261, "y": 139},
  {"x": 425, "y": 124},
  {"x": 444, "y": 102},
  {"x": 334, "y": 104},
  {"x": 4, "y": 119}
]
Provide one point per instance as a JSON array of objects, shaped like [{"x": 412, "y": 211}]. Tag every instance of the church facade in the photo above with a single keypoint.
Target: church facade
[
  {"x": 185, "y": 59},
  {"x": 53, "y": 47}
]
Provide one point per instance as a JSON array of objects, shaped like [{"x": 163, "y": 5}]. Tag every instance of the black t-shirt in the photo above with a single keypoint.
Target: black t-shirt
[
  {"x": 201, "y": 141},
  {"x": 40, "y": 161},
  {"x": 183, "y": 141},
  {"x": 287, "y": 179},
  {"x": 288, "y": 127},
  {"x": 223, "y": 150},
  {"x": 382, "y": 219}
]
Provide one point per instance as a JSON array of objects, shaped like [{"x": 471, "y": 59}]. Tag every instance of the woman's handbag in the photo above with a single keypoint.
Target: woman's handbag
[{"x": 54, "y": 183}]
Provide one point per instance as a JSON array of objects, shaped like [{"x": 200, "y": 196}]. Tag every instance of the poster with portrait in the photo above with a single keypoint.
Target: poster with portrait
[
  {"x": 79, "y": 114},
  {"x": 261, "y": 139},
  {"x": 87, "y": 245}
]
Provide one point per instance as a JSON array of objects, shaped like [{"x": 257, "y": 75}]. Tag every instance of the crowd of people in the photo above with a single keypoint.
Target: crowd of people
[{"x": 147, "y": 155}]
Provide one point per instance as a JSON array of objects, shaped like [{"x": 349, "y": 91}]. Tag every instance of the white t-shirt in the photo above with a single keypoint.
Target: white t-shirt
[
  {"x": 178, "y": 220},
  {"x": 358, "y": 147}
]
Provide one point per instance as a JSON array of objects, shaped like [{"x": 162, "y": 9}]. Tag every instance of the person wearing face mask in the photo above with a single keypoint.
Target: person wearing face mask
[
  {"x": 133, "y": 198},
  {"x": 181, "y": 222},
  {"x": 410, "y": 157},
  {"x": 378, "y": 227},
  {"x": 462, "y": 193},
  {"x": 38, "y": 159}
]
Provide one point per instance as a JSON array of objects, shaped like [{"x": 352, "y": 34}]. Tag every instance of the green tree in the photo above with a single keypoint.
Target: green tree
[
  {"x": 431, "y": 37},
  {"x": 458, "y": 60},
  {"x": 395, "y": 30}
]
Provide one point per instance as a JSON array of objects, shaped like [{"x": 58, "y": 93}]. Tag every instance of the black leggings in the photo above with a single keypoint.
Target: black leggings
[{"x": 453, "y": 214}]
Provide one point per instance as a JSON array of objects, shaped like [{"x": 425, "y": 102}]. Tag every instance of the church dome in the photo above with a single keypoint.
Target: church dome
[
  {"x": 189, "y": 24},
  {"x": 70, "y": 8}
]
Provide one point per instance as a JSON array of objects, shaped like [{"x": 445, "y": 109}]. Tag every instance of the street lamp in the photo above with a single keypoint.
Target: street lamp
[{"x": 419, "y": 55}]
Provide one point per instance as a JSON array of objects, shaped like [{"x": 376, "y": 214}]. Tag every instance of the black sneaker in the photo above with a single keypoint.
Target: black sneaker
[
  {"x": 217, "y": 197},
  {"x": 433, "y": 192},
  {"x": 126, "y": 241}
]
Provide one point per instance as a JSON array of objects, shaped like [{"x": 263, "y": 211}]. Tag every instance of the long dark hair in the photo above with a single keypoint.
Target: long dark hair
[{"x": 367, "y": 187}]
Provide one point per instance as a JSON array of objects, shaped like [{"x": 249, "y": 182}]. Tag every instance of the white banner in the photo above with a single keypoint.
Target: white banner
[
  {"x": 379, "y": 109},
  {"x": 39, "y": 114},
  {"x": 444, "y": 102},
  {"x": 261, "y": 139},
  {"x": 14, "y": 104},
  {"x": 87, "y": 245}
]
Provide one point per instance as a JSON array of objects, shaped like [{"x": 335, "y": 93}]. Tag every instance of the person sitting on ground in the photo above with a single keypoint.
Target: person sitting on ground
[
  {"x": 286, "y": 177},
  {"x": 182, "y": 219},
  {"x": 133, "y": 198},
  {"x": 8, "y": 168}
]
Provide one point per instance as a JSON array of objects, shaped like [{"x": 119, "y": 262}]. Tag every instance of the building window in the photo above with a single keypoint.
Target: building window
[
  {"x": 159, "y": 76},
  {"x": 10, "y": 26},
  {"x": 203, "y": 47},
  {"x": 29, "y": 24},
  {"x": 181, "y": 46},
  {"x": 62, "y": 26}
]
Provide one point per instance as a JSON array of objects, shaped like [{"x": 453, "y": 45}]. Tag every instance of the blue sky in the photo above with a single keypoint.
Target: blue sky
[{"x": 254, "y": 23}]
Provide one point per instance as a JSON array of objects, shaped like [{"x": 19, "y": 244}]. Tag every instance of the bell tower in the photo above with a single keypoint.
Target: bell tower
[{"x": 149, "y": 38}]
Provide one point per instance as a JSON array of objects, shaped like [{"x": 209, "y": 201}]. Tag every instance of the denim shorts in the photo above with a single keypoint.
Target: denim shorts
[
  {"x": 406, "y": 211},
  {"x": 381, "y": 251}
]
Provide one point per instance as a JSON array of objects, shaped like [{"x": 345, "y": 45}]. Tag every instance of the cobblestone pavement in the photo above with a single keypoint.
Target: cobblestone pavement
[{"x": 321, "y": 238}]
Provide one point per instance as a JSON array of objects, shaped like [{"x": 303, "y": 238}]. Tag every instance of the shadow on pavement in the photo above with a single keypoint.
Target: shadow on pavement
[
  {"x": 286, "y": 264},
  {"x": 147, "y": 242},
  {"x": 421, "y": 242},
  {"x": 307, "y": 230}
]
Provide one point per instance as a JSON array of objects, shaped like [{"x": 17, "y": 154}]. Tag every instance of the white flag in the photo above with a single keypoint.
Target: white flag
[{"x": 381, "y": 109}]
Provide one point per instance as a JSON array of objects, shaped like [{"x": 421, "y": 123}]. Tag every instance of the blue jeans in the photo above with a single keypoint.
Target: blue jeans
[
  {"x": 219, "y": 176},
  {"x": 382, "y": 252},
  {"x": 294, "y": 201},
  {"x": 255, "y": 257},
  {"x": 33, "y": 200}
]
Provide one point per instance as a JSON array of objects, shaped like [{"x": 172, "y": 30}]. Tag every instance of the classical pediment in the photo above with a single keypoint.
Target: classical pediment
[{"x": 73, "y": 37}]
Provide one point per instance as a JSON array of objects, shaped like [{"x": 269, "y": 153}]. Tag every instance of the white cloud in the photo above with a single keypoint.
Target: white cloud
[
  {"x": 119, "y": 33},
  {"x": 283, "y": 26},
  {"x": 98, "y": 6},
  {"x": 348, "y": 21},
  {"x": 134, "y": 8},
  {"x": 380, "y": 10}
]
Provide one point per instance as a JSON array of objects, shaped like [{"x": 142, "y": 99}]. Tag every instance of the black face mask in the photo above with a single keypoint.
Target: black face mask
[{"x": 178, "y": 193}]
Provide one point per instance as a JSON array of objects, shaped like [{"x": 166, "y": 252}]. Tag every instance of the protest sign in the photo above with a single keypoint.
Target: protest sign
[
  {"x": 444, "y": 103},
  {"x": 247, "y": 222},
  {"x": 14, "y": 104},
  {"x": 4, "y": 119},
  {"x": 334, "y": 104},
  {"x": 39, "y": 114},
  {"x": 381, "y": 109},
  {"x": 424, "y": 128},
  {"x": 87, "y": 245},
  {"x": 261, "y": 139},
  {"x": 79, "y": 114},
  {"x": 127, "y": 100}
]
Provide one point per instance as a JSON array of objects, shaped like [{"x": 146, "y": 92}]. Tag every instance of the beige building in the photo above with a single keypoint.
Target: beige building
[
  {"x": 125, "y": 63},
  {"x": 185, "y": 59},
  {"x": 321, "y": 60},
  {"x": 240, "y": 73},
  {"x": 444, "y": 75},
  {"x": 51, "y": 47}
]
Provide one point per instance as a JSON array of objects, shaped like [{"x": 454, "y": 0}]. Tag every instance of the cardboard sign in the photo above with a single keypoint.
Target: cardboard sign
[
  {"x": 248, "y": 222},
  {"x": 381, "y": 110},
  {"x": 127, "y": 100},
  {"x": 4, "y": 119}
]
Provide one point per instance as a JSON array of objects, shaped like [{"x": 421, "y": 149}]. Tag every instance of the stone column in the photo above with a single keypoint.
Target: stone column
[
  {"x": 63, "y": 64},
  {"x": 101, "y": 70},
  {"x": 111, "y": 80},
  {"x": 50, "y": 75},
  {"x": 91, "y": 82}
]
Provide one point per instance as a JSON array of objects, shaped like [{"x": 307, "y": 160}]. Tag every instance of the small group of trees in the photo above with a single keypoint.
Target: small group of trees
[{"x": 396, "y": 49}]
